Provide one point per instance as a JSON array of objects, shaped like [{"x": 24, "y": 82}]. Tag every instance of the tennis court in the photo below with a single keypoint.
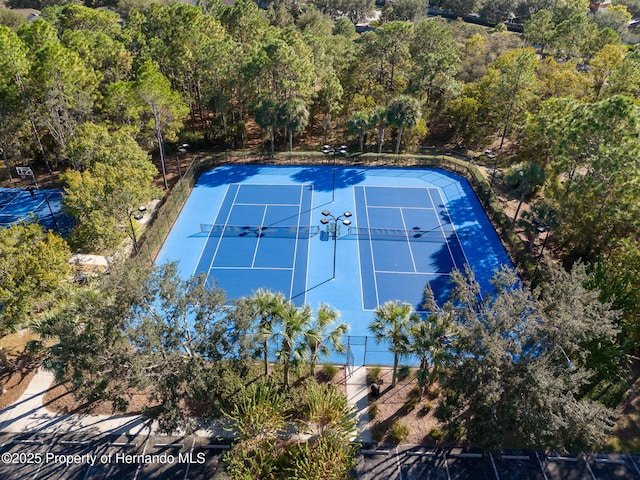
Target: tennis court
[
  {"x": 18, "y": 204},
  {"x": 352, "y": 237}
]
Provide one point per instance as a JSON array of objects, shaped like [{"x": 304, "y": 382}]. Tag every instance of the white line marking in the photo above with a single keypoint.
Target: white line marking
[
  {"x": 255, "y": 250},
  {"x": 207, "y": 240},
  {"x": 404, "y": 224},
  {"x": 295, "y": 247}
]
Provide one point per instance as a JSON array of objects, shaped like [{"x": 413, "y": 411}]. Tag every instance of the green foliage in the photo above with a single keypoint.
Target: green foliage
[
  {"x": 258, "y": 414},
  {"x": 373, "y": 410},
  {"x": 328, "y": 412},
  {"x": 115, "y": 180},
  {"x": 373, "y": 374},
  {"x": 427, "y": 407},
  {"x": 437, "y": 434},
  {"x": 398, "y": 431},
  {"x": 329, "y": 371},
  {"x": 522, "y": 360},
  {"x": 392, "y": 323},
  {"x": 35, "y": 270}
]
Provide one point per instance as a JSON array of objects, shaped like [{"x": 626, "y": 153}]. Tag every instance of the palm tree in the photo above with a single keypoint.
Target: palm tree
[
  {"x": 404, "y": 111},
  {"x": 525, "y": 179},
  {"x": 268, "y": 307},
  {"x": 379, "y": 118},
  {"x": 393, "y": 322},
  {"x": 359, "y": 122},
  {"x": 294, "y": 117},
  {"x": 318, "y": 338},
  {"x": 294, "y": 322},
  {"x": 267, "y": 118},
  {"x": 428, "y": 340}
]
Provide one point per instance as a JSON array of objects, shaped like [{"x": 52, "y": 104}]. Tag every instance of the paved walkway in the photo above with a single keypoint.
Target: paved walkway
[
  {"x": 29, "y": 415},
  {"x": 358, "y": 396}
]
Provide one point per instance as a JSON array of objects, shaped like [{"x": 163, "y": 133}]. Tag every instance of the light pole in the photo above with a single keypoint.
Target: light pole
[
  {"x": 32, "y": 192},
  {"x": 329, "y": 220},
  {"x": 492, "y": 156},
  {"x": 182, "y": 149},
  {"x": 138, "y": 216},
  {"x": 342, "y": 150},
  {"x": 542, "y": 227}
]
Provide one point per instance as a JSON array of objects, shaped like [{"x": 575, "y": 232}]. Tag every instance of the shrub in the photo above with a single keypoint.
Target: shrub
[
  {"x": 444, "y": 412},
  {"x": 403, "y": 372},
  {"x": 329, "y": 371},
  {"x": 427, "y": 407},
  {"x": 411, "y": 403},
  {"x": 373, "y": 410},
  {"x": 416, "y": 391},
  {"x": 373, "y": 375},
  {"x": 436, "y": 434},
  {"x": 399, "y": 431},
  {"x": 433, "y": 392}
]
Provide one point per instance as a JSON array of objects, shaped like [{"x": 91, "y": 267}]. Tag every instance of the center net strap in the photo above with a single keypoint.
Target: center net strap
[{"x": 218, "y": 230}]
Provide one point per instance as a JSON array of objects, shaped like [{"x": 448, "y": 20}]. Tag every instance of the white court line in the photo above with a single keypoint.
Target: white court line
[
  {"x": 268, "y": 204},
  {"x": 395, "y": 272},
  {"x": 251, "y": 268},
  {"x": 373, "y": 263},
  {"x": 453, "y": 259},
  {"x": 295, "y": 247},
  {"x": 408, "y": 208},
  {"x": 355, "y": 208},
  {"x": 226, "y": 222},
  {"x": 208, "y": 236},
  {"x": 404, "y": 224},
  {"x": 255, "y": 249}
]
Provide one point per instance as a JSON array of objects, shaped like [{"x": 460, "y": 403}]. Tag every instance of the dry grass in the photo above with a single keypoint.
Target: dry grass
[
  {"x": 402, "y": 404},
  {"x": 15, "y": 380}
]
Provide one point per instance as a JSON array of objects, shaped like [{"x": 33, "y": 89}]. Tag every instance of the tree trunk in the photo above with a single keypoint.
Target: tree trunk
[
  {"x": 380, "y": 138},
  {"x": 515, "y": 217},
  {"x": 272, "y": 138},
  {"x": 395, "y": 370},
  {"x": 399, "y": 139},
  {"x": 361, "y": 141},
  {"x": 156, "y": 121},
  {"x": 290, "y": 140},
  {"x": 32, "y": 121},
  {"x": 266, "y": 358},
  {"x": 6, "y": 162}
]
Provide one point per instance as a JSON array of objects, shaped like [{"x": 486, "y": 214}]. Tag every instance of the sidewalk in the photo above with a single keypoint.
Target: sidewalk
[
  {"x": 29, "y": 415},
  {"x": 358, "y": 396}
]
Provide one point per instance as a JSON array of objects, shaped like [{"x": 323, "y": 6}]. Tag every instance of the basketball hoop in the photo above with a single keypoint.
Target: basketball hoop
[{"x": 25, "y": 172}]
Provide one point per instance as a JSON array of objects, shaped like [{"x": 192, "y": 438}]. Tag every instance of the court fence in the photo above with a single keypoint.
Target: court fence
[{"x": 167, "y": 213}]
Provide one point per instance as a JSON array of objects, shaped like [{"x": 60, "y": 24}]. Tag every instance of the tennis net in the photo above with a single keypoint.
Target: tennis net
[
  {"x": 415, "y": 234},
  {"x": 219, "y": 230}
]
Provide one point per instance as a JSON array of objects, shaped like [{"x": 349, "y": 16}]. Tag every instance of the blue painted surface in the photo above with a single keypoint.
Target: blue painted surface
[
  {"x": 17, "y": 204},
  {"x": 428, "y": 197}
]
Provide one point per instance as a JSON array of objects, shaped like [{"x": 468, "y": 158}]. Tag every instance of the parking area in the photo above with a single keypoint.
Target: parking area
[
  {"x": 70, "y": 457},
  {"x": 83, "y": 457},
  {"x": 419, "y": 462}
]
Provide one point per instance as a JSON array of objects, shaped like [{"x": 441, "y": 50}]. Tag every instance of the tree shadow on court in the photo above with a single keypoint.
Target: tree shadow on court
[
  {"x": 227, "y": 174},
  {"x": 322, "y": 177}
]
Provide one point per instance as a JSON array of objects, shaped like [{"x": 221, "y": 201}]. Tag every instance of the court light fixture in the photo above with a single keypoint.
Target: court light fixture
[{"x": 327, "y": 220}]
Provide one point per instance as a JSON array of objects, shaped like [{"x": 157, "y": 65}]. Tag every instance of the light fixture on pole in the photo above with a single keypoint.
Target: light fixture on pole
[
  {"x": 332, "y": 224},
  {"x": 542, "y": 227},
  {"x": 492, "y": 156},
  {"x": 138, "y": 216},
  {"x": 342, "y": 150}
]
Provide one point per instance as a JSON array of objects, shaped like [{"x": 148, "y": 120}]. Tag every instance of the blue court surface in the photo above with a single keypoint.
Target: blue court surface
[
  {"x": 18, "y": 204},
  {"x": 250, "y": 226}
]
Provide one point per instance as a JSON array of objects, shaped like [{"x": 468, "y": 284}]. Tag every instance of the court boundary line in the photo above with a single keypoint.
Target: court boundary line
[
  {"x": 306, "y": 273},
  {"x": 252, "y": 268},
  {"x": 295, "y": 248},
  {"x": 269, "y": 204},
  {"x": 373, "y": 262},
  {"x": 455, "y": 231},
  {"x": 408, "y": 208},
  {"x": 204, "y": 245},
  {"x": 395, "y": 272},
  {"x": 355, "y": 206},
  {"x": 226, "y": 222}
]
